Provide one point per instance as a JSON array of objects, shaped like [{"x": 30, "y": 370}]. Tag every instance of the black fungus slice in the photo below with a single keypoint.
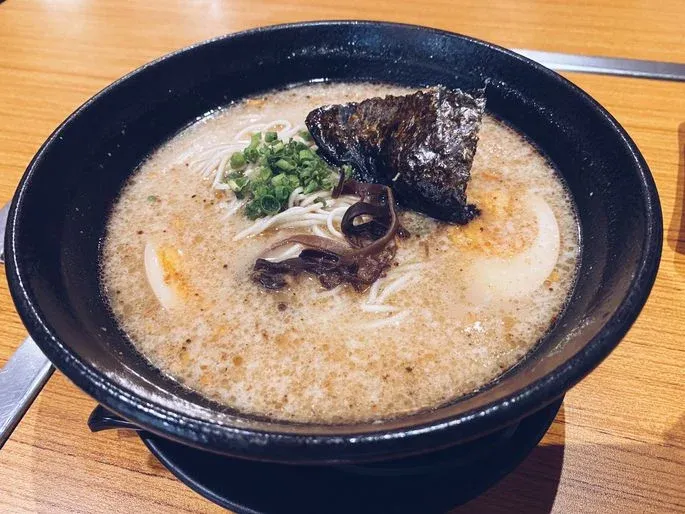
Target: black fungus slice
[
  {"x": 369, "y": 226},
  {"x": 422, "y": 145}
]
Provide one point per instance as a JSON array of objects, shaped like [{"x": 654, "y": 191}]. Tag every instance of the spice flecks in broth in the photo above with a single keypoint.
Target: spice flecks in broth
[{"x": 312, "y": 355}]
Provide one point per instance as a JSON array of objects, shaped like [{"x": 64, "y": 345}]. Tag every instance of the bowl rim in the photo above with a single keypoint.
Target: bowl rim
[{"x": 188, "y": 429}]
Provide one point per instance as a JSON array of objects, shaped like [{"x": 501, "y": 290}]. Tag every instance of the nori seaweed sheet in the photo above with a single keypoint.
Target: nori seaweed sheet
[{"x": 422, "y": 145}]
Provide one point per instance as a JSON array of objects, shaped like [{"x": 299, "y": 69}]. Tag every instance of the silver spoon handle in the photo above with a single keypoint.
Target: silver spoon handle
[{"x": 24, "y": 375}]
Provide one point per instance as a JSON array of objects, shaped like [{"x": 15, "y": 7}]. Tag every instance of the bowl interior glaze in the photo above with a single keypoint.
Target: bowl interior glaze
[{"x": 58, "y": 217}]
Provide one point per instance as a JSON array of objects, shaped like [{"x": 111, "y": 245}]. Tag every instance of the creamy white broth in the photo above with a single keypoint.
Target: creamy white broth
[{"x": 469, "y": 303}]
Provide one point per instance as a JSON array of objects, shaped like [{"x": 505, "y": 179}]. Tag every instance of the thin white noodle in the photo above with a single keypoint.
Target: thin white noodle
[
  {"x": 218, "y": 184},
  {"x": 294, "y": 196},
  {"x": 309, "y": 209},
  {"x": 210, "y": 152},
  {"x": 378, "y": 308},
  {"x": 249, "y": 131},
  {"x": 206, "y": 153},
  {"x": 373, "y": 292},
  {"x": 396, "y": 280},
  {"x": 318, "y": 232},
  {"x": 295, "y": 132},
  {"x": 387, "y": 321},
  {"x": 265, "y": 223},
  {"x": 329, "y": 221},
  {"x": 285, "y": 129},
  {"x": 301, "y": 223},
  {"x": 321, "y": 216},
  {"x": 283, "y": 132},
  {"x": 312, "y": 197},
  {"x": 209, "y": 161},
  {"x": 233, "y": 207},
  {"x": 394, "y": 287},
  {"x": 330, "y": 292}
]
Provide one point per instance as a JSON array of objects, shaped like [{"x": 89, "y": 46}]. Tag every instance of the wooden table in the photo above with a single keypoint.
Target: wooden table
[{"x": 618, "y": 443}]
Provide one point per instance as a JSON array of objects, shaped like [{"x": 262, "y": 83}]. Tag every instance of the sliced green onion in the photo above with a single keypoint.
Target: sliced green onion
[
  {"x": 304, "y": 134},
  {"x": 264, "y": 174},
  {"x": 280, "y": 179},
  {"x": 307, "y": 155},
  {"x": 251, "y": 154},
  {"x": 270, "y": 204},
  {"x": 311, "y": 187},
  {"x": 238, "y": 160},
  {"x": 253, "y": 210},
  {"x": 284, "y": 165},
  {"x": 282, "y": 193},
  {"x": 269, "y": 169},
  {"x": 260, "y": 190},
  {"x": 237, "y": 183}
]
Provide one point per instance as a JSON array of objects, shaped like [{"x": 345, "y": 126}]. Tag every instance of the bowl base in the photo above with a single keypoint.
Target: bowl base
[{"x": 434, "y": 482}]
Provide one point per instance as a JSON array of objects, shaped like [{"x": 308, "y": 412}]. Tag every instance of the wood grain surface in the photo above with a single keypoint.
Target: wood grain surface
[{"x": 618, "y": 443}]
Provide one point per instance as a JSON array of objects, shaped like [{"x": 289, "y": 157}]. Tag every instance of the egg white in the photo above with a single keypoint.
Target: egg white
[
  {"x": 158, "y": 277},
  {"x": 523, "y": 273}
]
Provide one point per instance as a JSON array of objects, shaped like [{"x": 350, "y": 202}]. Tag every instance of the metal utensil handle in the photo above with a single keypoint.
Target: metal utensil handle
[
  {"x": 3, "y": 223},
  {"x": 607, "y": 65},
  {"x": 21, "y": 380},
  {"x": 24, "y": 375}
]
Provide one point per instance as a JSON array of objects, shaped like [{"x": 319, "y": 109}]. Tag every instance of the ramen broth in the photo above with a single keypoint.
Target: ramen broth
[{"x": 458, "y": 306}]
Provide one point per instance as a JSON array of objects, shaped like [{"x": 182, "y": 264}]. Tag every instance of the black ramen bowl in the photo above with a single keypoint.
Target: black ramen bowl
[{"x": 57, "y": 222}]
